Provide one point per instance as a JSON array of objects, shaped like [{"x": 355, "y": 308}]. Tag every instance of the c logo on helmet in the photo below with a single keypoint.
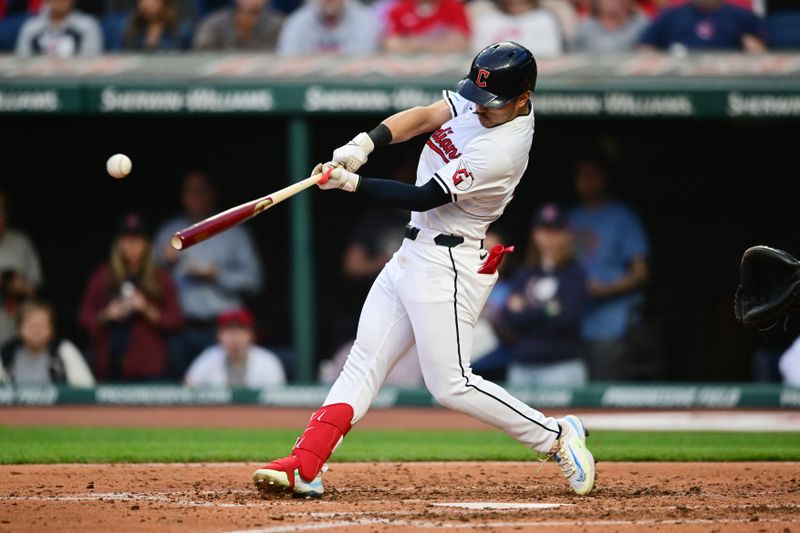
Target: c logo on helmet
[{"x": 480, "y": 79}]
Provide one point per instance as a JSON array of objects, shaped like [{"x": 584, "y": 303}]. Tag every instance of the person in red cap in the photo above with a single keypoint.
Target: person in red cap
[{"x": 235, "y": 361}]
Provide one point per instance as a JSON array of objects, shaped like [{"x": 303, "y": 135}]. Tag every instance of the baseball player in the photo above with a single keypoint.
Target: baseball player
[{"x": 431, "y": 292}]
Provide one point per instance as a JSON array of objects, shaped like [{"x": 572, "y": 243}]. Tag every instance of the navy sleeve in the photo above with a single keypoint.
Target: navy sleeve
[{"x": 403, "y": 195}]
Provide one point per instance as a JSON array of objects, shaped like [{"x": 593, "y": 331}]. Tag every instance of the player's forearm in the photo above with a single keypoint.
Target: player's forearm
[
  {"x": 411, "y": 122},
  {"x": 403, "y": 195}
]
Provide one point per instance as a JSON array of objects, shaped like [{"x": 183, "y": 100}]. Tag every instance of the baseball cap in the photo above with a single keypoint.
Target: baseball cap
[
  {"x": 550, "y": 215},
  {"x": 235, "y": 317},
  {"x": 133, "y": 224}
]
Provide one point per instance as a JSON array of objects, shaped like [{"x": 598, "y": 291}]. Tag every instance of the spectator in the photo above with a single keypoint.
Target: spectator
[
  {"x": 612, "y": 247},
  {"x": 60, "y": 30},
  {"x": 129, "y": 308},
  {"x": 329, "y": 26},
  {"x": 545, "y": 309},
  {"x": 152, "y": 26},
  {"x": 521, "y": 21},
  {"x": 236, "y": 362},
  {"x": 20, "y": 272},
  {"x": 615, "y": 26},
  {"x": 416, "y": 26},
  {"x": 377, "y": 235},
  {"x": 37, "y": 356},
  {"x": 789, "y": 365},
  {"x": 211, "y": 277},
  {"x": 246, "y": 25},
  {"x": 705, "y": 25}
]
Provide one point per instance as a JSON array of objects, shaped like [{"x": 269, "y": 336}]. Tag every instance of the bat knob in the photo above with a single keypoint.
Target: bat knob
[
  {"x": 176, "y": 242},
  {"x": 325, "y": 175}
]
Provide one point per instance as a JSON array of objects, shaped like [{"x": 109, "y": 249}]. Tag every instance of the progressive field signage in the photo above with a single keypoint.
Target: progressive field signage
[{"x": 606, "y": 396}]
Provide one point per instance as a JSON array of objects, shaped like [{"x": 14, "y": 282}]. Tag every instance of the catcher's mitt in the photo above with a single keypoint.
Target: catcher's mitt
[{"x": 769, "y": 286}]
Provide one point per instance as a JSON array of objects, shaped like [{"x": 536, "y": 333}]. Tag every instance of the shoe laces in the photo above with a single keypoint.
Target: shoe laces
[
  {"x": 561, "y": 455},
  {"x": 564, "y": 459}
]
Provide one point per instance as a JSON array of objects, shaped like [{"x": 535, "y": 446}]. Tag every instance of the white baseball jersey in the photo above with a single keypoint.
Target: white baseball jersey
[
  {"x": 429, "y": 296},
  {"x": 479, "y": 167}
]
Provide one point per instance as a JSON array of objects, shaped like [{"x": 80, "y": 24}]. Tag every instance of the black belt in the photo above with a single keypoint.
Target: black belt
[{"x": 449, "y": 241}]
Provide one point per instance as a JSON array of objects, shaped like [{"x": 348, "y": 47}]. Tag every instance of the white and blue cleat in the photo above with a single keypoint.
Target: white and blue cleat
[
  {"x": 572, "y": 455},
  {"x": 277, "y": 480}
]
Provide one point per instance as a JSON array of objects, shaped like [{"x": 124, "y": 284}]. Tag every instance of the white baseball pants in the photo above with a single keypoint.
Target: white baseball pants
[{"x": 431, "y": 296}]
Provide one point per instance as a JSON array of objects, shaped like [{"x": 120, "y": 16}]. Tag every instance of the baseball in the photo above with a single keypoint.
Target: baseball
[{"x": 119, "y": 165}]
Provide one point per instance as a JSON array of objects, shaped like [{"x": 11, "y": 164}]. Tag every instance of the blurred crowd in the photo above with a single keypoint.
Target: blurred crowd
[
  {"x": 569, "y": 307},
  {"x": 149, "y": 313},
  {"x": 549, "y": 28}
]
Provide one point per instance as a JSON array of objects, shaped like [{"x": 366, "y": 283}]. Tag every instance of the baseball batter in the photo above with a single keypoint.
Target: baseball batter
[{"x": 431, "y": 292}]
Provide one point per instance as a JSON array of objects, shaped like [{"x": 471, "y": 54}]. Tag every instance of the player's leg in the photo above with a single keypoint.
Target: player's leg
[
  {"x": 444, "y": 343},
  {"x": 443, "y": 324},
  {"x": 384, "y": 336}
]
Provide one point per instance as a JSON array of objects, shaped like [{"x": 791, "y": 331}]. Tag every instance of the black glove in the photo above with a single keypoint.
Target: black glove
[{"x": 769, "y": 286}]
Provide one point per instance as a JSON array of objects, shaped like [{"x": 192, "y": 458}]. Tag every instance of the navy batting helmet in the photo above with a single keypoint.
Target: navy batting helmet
[{"x": 499, "y": 73}]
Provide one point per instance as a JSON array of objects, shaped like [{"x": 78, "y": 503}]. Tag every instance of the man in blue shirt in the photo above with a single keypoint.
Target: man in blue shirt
[
  {"x": 706, "y": 25},
  {"x": 612, "y": 247},
  {"x": 212, "y": 277}
]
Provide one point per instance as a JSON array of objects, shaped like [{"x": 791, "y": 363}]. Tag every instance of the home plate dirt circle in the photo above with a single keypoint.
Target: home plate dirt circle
[{"x": 378, "y": 497}]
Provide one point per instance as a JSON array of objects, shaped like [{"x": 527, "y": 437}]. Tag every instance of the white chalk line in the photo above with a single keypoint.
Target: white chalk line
[
  {"x": 422, "y": 524},
  {"x": 168, "y": 498},
  {"x": 503, "y": 506}
]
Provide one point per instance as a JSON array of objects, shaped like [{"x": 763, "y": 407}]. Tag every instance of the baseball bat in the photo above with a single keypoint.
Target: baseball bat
[{"x": 236, "y": 215}]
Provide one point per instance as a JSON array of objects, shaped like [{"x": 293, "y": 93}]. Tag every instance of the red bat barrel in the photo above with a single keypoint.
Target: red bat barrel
[
  {"x": 236, "y": 215},
  {"x": 218, "y": 223}
]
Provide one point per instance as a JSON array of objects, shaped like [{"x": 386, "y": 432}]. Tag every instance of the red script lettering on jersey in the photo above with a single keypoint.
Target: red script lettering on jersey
[{"x": 442, "y": 145}]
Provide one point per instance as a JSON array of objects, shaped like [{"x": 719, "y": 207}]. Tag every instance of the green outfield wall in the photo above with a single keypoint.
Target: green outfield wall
[{"x": 626, "y": 396}]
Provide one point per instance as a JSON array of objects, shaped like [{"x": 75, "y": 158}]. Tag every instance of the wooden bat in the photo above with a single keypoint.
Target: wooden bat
[{"x": 236, "y": 215}]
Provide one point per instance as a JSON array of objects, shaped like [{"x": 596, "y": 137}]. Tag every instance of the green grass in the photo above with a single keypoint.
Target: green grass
[{"x": 131, "y": 445}]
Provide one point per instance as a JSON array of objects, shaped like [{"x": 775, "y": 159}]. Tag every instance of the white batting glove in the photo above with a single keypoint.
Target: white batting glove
[
  {"x": 339, "y": 178},
  {"x": 354, "y": 154}
]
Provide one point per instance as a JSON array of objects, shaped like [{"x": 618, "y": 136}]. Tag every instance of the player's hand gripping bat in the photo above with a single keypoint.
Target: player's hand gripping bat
[{"x": 236, "y": 215}]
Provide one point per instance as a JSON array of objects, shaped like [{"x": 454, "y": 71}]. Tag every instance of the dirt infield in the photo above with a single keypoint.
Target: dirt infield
[{"x": 753, "y": 497}]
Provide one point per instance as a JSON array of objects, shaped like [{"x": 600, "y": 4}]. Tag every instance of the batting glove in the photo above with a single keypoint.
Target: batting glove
[
  {"x": 354, "y": 154},
  {"x": 339, "y": 178}
]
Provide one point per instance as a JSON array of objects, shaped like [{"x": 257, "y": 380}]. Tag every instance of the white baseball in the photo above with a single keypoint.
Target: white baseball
[{"x": 119, "y": 165}]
